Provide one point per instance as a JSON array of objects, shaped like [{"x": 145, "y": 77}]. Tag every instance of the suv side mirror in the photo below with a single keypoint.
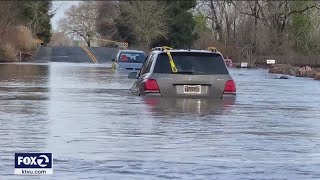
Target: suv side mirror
[{"x": 132, "y": 75}]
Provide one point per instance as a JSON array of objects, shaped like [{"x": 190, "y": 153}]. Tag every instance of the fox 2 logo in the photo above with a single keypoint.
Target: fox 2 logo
[{"x": 33, "y": 160}]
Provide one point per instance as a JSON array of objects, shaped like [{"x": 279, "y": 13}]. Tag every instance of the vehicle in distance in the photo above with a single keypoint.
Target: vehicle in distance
[
  {"x": 228, "y": 62},
  {"x": 189, "y": 73},
  {"x": 129, "y": 60}
]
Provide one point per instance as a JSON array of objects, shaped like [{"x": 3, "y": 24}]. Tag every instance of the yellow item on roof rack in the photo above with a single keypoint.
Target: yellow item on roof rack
[
  {"x": 173, "y": 66},
  {"x": 161, "y": 48},
  {"x": 167, "y": 47},
  {"x": 212, "y": 49}
]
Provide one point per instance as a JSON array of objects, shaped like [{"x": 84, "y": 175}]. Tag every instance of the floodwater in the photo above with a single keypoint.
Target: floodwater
[{"x": 85, "y": 115}]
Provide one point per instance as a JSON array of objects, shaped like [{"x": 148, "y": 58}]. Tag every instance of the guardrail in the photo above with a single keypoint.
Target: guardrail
[
  {"x": 124, "y": 44},
  {"x": 39, "y": 42},
  {"x": 296, "y": 60}
]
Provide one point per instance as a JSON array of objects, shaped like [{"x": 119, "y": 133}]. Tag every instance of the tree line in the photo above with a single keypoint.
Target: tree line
[
  {"x": 275, "y": 27},
  {"x": 145, "y": 23},
  {"x": 266, "y": 27},
  {"x": 21, "y": 22}
]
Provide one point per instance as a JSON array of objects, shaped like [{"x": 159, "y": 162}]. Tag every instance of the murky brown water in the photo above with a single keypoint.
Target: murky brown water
[{"x": 85, "y": 115}]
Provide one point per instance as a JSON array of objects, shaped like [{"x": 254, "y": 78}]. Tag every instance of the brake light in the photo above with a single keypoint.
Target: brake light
[
  {"x": 151, "y": 86},
  {"x": 230, "y": 87}
]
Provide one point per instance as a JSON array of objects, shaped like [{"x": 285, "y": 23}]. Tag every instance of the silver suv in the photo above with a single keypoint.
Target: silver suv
[{"x": 183, "y": 73}]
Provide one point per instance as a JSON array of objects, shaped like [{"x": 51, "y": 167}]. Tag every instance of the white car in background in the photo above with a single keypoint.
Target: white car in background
[{"x": 131, "y": 60}]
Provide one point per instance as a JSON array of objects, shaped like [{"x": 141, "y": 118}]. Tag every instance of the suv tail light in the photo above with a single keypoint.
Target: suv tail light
[
  {"x": 151, "y": 86},
  {"x": 230, "y": 87}
]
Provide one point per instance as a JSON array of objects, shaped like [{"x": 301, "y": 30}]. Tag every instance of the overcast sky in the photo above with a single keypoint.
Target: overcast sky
[{"x": 64, "y": 5}]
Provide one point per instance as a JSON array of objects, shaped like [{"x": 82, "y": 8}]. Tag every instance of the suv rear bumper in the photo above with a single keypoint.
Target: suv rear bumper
[
  {"x": 228, "y": 96},
  {"x": 224, "y": 96}
]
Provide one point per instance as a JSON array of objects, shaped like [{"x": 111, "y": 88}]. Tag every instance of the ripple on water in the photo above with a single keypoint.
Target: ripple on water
[{"x": 85, "y": 115}]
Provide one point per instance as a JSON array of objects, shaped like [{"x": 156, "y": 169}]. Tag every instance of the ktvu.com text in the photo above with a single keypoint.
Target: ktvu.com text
[{"x": 33, "y": 163}]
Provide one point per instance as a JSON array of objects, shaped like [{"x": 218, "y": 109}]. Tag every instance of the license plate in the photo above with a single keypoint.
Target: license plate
[{"x": 192, "y": 89}]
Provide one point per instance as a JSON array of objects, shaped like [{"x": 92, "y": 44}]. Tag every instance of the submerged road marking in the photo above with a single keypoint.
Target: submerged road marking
[{"x": 90, "y": 54}]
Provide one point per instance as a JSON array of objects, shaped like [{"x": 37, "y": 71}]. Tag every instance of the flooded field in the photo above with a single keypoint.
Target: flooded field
[{"x": 85, "y": 115}]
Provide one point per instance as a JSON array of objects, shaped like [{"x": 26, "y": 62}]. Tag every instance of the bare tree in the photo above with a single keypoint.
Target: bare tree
[
  {"x": 80, "y": 20},
  {"x": 216, "y": 22},
  {"x": 108, "y": 11},
  {"x": 8, "y": 16},
  {"x": 60, "y": 39},
  {"x": 273, "y": 14},
  {"x": 263, "y": 26},
  {"x": 222, "y": 16},
  {"x": 147, "y": 19}
]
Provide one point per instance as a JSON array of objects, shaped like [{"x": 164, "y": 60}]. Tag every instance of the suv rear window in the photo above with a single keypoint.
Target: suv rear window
[
  {"x": 132, "y": 57},
  {"x": 196, "y": 63}
]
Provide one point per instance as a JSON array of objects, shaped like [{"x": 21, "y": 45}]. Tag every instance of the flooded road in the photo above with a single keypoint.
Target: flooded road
[{"x": 85, "y": 115}]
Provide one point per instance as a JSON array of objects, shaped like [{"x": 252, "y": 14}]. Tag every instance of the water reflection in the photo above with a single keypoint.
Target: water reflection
[
  {"x": 23, "y": 111},
  {"x": 25, "y": 73},
  {"x": 177, "y": 106},
  {"x": 85, "y": 115}
]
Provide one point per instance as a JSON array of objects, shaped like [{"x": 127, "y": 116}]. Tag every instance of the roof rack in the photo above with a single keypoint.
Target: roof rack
[
  {"x": 212, "y": 49},
  {"x": 161, "y": 48}
]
